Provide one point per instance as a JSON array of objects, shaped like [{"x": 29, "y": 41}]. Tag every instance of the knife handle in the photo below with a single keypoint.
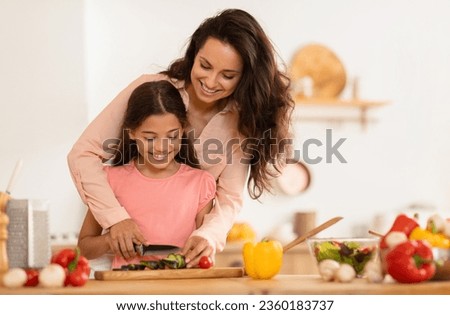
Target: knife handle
[{"x": 139, "y": 249}]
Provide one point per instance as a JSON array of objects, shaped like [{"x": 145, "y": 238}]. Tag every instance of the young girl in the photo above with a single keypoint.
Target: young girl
[{"x": 154, "y": 175}]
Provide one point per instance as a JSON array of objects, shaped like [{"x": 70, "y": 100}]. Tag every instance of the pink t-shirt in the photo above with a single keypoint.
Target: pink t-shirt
[{"x": 165, "y": 208}]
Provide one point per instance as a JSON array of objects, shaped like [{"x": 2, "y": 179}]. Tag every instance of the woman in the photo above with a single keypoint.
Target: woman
[{"x": 239, "y": 108}]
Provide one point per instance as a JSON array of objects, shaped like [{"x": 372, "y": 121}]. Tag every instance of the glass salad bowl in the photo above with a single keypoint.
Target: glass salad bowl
[{"x": 353, "y": 251}]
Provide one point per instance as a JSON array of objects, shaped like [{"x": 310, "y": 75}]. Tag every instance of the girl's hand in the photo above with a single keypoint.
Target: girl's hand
[
  {"x": 195, "y": 248},
  {"x": 123, "y": 236}
]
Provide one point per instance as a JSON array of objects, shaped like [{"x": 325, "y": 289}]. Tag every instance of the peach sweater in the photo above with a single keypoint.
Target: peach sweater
[{"x": 217, "y": 148}]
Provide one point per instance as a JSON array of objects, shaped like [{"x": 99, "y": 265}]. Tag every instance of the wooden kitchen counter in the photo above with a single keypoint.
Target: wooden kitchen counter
[{"x": 281, "y": 284}]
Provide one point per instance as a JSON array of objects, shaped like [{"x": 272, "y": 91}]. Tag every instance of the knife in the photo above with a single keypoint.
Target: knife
[{"x": 155, "y": 249}]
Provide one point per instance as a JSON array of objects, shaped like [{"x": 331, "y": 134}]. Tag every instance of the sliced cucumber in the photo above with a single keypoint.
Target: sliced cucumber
[
  {"x": 151, "y": 264},
  {"x": 181, "y": 261},
  {"x": 172, "y": 264}
]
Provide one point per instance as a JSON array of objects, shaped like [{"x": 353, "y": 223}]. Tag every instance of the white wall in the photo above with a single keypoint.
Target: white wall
[
  {"x": 43, "y": 107},
  {"x": 398, "y": 49}
]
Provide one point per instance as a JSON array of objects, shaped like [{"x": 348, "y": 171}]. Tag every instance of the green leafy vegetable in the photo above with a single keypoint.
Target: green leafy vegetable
[{"x": 351, "y": 253}]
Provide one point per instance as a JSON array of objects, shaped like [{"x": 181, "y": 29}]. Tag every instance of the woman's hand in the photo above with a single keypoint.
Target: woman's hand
[
  {"x": 195, "y": 248},
  {"x": 122, "y": 237}
]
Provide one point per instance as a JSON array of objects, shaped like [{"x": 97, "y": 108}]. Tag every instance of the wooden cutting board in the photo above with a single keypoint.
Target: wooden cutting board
[{"x": 192, "y": 273}]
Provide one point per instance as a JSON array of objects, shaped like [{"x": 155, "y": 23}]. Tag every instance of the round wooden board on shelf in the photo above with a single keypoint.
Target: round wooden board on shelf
[
  {"x": 294, "y": 179},
  {"x": 323, "y": 67}
]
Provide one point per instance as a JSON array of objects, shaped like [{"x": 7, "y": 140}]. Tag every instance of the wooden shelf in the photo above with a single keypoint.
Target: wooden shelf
[
  {"x": 341, "y": 108},
  {"x": 358, "y": 103}
]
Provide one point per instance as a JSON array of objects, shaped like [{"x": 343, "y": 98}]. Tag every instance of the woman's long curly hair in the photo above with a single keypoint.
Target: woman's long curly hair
[
  {"x": 262, "y": 95},
  {"x": 153, "y": 98}
]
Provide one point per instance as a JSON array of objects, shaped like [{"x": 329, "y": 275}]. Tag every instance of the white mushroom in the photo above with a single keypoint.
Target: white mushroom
[
  {"x": 345, "y": 273},
  {"x": 394, "y": 238},
  {"x": 52, "y": 276},
  {"x": 373, "y": 272},
  {"x": 328, "y": 268},
  {"x": 15, "y": 278},
  {"x": 388, "y": 279}
]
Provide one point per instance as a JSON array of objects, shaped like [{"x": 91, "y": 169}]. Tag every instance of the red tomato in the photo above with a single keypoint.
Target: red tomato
[
  {"x": 78, "y": 278},
  {"x": 205, "y": 262},
  {"x": 83, "y": 264},
  {"x": 63, "y": 257},
  {"x": 32, "y": 277}
]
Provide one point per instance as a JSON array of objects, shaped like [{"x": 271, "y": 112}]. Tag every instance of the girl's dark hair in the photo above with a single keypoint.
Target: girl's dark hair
[
  {"x": 153, "y": 98},
  {"x": 262, "y": 95}
]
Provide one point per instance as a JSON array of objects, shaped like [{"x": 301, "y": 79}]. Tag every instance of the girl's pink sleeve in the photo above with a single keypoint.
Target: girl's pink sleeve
[
  {"x": 207, "y": 190},
  {"x": 90, "y": 152}
]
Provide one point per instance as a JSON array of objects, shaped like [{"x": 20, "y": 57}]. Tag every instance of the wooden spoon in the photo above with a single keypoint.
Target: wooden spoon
[
  {"x": 313, "y": 232},
  {"x": 375, "y": 233}
]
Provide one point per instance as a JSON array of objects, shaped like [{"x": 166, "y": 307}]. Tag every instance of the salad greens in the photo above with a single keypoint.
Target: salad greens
[{"x": 350, "y": 252}]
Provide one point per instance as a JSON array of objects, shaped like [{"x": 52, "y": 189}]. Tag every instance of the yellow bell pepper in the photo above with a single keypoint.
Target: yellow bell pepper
[
  {"x": 263, "y": 260},
  {"x": 435, "y": 239},
  {"x": 241, "y": 232}
]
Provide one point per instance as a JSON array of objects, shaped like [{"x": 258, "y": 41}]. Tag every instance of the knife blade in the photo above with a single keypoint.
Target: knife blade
[{"x": 156, "y": 249}]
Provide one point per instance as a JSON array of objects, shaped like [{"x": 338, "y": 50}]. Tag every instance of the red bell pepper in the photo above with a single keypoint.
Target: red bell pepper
[
  {"x": 63, "y": 257},
  {"x": 411, "y": 262},
  {"x": 77, "y": 278},
  {"x": 402, "y": 223},
  {"x": 76, "y": 266}
]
